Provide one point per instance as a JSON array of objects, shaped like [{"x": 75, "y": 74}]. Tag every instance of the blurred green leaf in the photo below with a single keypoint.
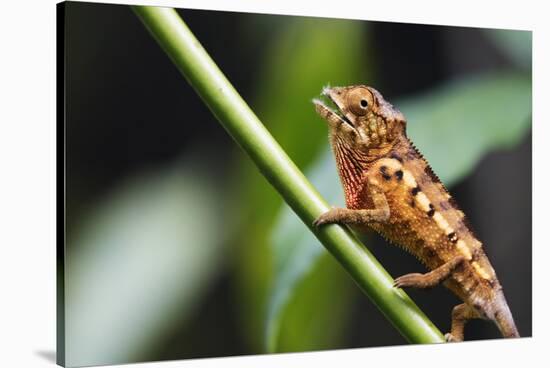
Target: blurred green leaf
[
  {"x": 454, "y": 126},
  {"x": 140, "y": 261},
  {"x": 305, "y": 54},
  {"x": 517, "y": 45}
]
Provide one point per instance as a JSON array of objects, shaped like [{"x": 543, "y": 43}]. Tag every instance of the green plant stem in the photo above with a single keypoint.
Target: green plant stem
[{"x": 238, "y": 119}]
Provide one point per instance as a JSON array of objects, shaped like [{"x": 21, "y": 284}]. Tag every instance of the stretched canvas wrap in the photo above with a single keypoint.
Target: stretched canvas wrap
[{"x": 175, "y": 245}]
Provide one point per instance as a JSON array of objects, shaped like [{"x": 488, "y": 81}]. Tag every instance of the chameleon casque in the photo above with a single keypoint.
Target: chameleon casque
[{"x": 389, "y": 187}]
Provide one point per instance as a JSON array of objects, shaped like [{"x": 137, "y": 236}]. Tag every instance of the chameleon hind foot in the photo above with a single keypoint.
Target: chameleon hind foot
[
  {"x": 450, "y": 338},
  {"x": 462, "y": 313},
  {"x": 430, "y": 279},
  {"x": 417, "y": 280}
]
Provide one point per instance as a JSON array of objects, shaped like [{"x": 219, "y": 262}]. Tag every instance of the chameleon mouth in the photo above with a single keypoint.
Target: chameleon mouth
[{"x": 330, "y": 113}]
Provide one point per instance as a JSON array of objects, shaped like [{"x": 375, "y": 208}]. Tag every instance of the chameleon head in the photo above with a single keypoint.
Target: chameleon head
[{"x": 362, "y": 118}]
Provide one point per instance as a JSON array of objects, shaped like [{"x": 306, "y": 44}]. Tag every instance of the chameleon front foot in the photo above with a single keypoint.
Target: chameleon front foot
[
  {"x": 354, "y": 217},
  {"x": 332, "y": 216}
]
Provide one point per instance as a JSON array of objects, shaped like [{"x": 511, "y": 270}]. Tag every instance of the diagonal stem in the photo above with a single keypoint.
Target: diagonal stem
[{"x": 246, "y": 129}]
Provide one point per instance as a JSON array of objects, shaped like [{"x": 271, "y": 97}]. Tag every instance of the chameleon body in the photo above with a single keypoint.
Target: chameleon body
[{"x": 389, "y": 187}]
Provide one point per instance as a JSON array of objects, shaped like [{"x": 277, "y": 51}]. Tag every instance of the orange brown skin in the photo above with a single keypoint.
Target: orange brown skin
[{"x": 389, "y": 187}]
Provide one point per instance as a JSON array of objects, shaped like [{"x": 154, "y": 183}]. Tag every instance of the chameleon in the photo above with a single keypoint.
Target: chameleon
[{"x": 390, "y": 188}]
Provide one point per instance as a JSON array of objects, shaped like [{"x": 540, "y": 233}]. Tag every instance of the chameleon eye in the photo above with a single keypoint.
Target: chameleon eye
[{"x": 359, "y": 100}]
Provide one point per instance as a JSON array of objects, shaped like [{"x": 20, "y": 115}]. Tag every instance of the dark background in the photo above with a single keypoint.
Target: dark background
[{"x": 125, "y": 100}]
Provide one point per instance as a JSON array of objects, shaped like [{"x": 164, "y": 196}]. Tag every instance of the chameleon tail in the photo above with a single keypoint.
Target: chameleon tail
[{"x": 503, "y": 317}]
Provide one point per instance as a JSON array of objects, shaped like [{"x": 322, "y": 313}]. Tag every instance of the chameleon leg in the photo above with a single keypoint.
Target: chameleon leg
[
  {"x": 380, "y": 212},
  {"x": 461, "y": 314},
  {"x": 430, "y": 279}
]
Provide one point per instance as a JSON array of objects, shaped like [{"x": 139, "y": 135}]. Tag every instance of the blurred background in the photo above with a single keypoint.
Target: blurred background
[{"x": 177, "y": 247}]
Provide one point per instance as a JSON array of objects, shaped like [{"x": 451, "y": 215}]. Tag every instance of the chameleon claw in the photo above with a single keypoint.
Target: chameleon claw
[
  {"x": 321, "y": 220},
  {"x": 329, "y": 217},
  {"x": 450, "y": 338}
]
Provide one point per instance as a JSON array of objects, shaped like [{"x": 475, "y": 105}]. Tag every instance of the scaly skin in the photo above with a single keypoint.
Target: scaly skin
[{"x": 390, "y": 188}]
